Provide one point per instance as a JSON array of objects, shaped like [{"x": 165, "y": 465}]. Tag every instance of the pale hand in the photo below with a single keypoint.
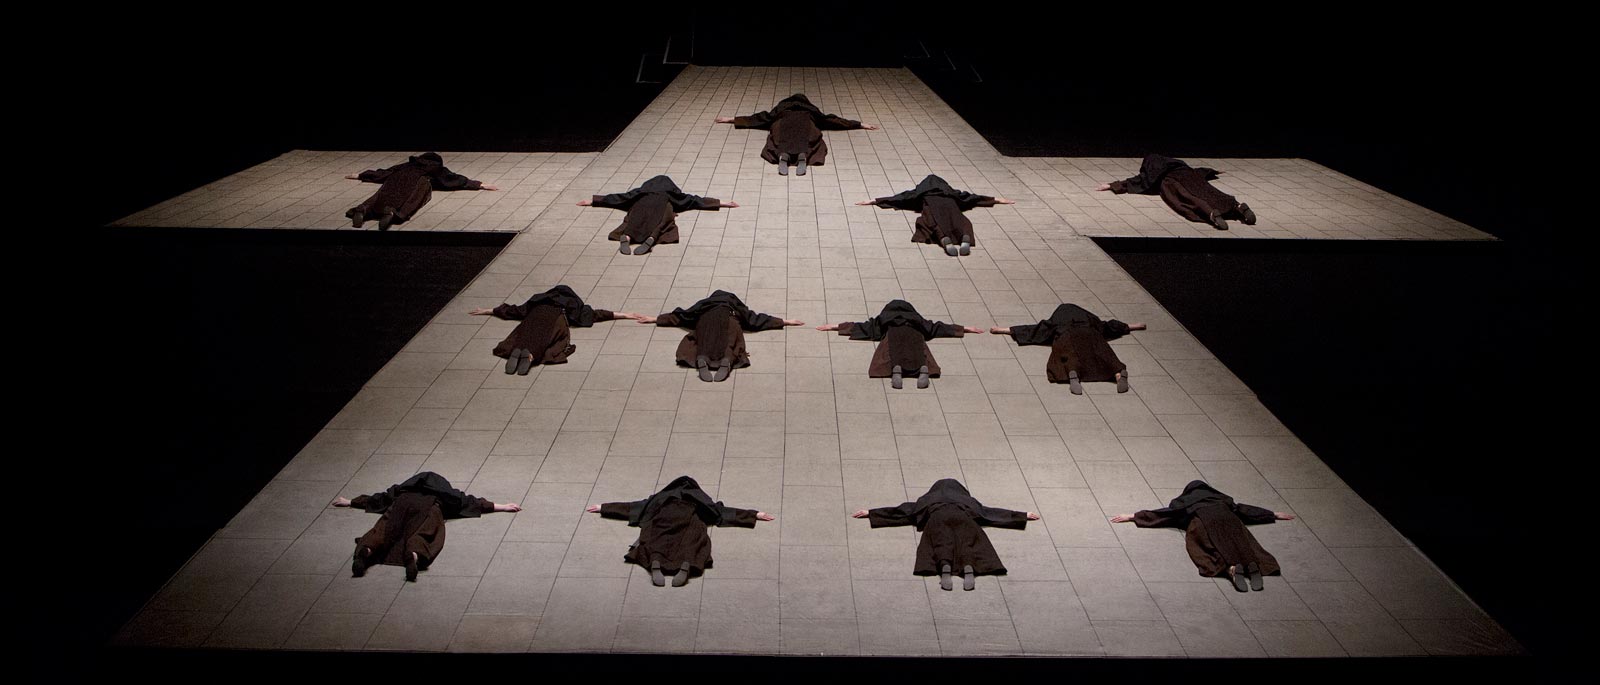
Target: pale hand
[
  {"x": 731, "y": 204},
  {"x": 724, "y": 120},
  {"x": 480, "y": 311},
  {"x": 353, "y": 177},
  {"x": 792, "y": 322},
  {"x": 585, "y": 203},
  {"x": 860, "y": 514},
  {"x": 1282, "y": 516},
  {"x": 1137, "y": 326},
  {"x": 341, "y": 502},
  {"x": 1000, "y": 331},
  {"x": 489, "y": 186},
  {"x": 1103, "y": 186},
  {"x": 865, "y": 203},
  {"x": 1122, "y": 518},
  {"x": 593, "y": 509},
  {"x": 646, "y": 319},
  {"x": 508, "y": 507},
  {"x": 870, "y": 127},
  {"x": 1003, "y": 201},
  {"x": 1032, "y": 516},
  {"x": 764, "y": 516},
  {"x": 828, "y": 327},
  {"x": 972, "y": 329},
  {"x": 627, "y": 315}
]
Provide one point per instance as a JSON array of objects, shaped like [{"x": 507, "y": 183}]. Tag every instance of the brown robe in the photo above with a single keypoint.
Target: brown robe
[
  {"x": 673, "y": 525},
  {"x": 904, "y": 337},
  {"x": 1187, "y": 190},
  {"x": 1214, "y": 530},
  {"x": 407, "y": 187},
  {"x": 544, "y": 328},
  {"x": 412, "y": 518},
  {"x": 652, "y": 210},
  {"x": 1077, "y": 340},
  {"x": 718, "y": 323},
  {"x": 794, "y": 127},
  {"x": 950, "y": 521},
  {"x": 940, "y": 209}
]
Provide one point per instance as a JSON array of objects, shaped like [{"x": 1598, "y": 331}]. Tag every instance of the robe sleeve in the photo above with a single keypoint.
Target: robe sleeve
[
  {"x": 473, "y": 507},
  {"x": 375, "y": 503},
  {"x": 449, "y": 180},
  {"x": 612, "y": 201},
  {"x": 1003, "y": 518},
  {"x": 757, "y": 120},
  {"x": 1165, "y": 517},
  {"x": 969, "y": 200},
  {"x": 738, "y": 518},
  {"x": 1034, "y": 334},
  {"x": 375, "y": 175},
  {"x": 884, "y": 517},
  {"x": 1253, "y": 514},
  {"x": 947, "y": 330},
  {"x": 692, "y": 202},
  {"x": 618, "y": 510},
  {"x": 756, "y": 321},
  {"x": 847, "y": 327},
  {"x": 1210, "y": 173},
  {"x": 510, "y": 312},
  {"x": 1114, "y": 329},
  {"x": 834, "y": 122},
  {"x": 604, "y": 315},
  {"x": 669, "y": 320}
]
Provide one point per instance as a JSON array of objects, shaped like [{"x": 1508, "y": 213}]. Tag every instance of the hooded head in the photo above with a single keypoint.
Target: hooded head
[
  {"x": 660, "y": 184},
  {"x": 933, "y": 183},
  {"x": 430, "y": 161},
  {"x": 797, "y": 97}
]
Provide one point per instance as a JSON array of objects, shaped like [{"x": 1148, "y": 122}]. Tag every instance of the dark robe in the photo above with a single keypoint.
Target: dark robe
[
  {"x": 950, "y": 521},
  {"x": 718, "y": 323},
  {"x": 652, "y": 210},
  {"x": 1077, "y": 340},
  {"x": 546, "y": 319},
  {"x": 904, "y": 335},
  {"x": 407, "y": 187},
  {"x": 672, "y": 525},
  {"x": 940, "y": 210},
  {"x": 1214, "y": 529},
  {"x": 1187, "y": 190},
  {"x": 413, "y": 515},
  {"x": 794, "y": 127}
]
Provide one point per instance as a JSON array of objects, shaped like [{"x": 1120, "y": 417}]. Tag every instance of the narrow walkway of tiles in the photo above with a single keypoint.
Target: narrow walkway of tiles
[{"x": 803, "y": 433}]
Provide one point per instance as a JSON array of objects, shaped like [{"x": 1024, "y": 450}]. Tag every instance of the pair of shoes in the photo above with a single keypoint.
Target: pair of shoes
[
  {"x": 969, "y": 580},
  {"x": 1122, "y": 381},
  {"x": 896, "y": 378},
  {"x": 799, "y": 165},
  {"x": 645, "y": 247},
  {"x": 358, "y": 566},
  {"x": 1073, "y": 383},
  {"x": 922, "y": 377},
  {"x": 1247, "y": 215},
  {"x": 714, "y": 374},
  {"x": 520, "y": 362},
  {"x": 356, "y": 217}
]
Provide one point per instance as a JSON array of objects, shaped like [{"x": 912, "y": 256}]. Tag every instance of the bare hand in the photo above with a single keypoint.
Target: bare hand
[
  {"x": 480, "y": 311},
  {"x": 341, "y": 502},
  {"x": 1032, "y": 516},
  {"x": 1000, "y": 331},
  {"x": 860, "y": 514},
  {"x": 1004, "y": 201},
  {"x": 585, "y": 203},
  {"x": 731, "y": 204},
  {"x": 1122, "y": 518},
  {"x": 1103, "y": 186},
  {"x": 828, "y": 327},
  {"x": 593, "y": 509},
  {"x": 627, "y": 315},
  {"x": 1137, "y": 326},
  {"x": 647, "y": 319},
  {"x": 870, "y": 127},
  {"x": 792, "y": 322},
  {"x": 489, "y": 186},
  {"x": 1282, "y": 516},
  {"x": 508, "y": 507},
  {"x": 865, "y": 203},
  {"x": 764, "y": 516},
  {"x": 353, "y": 177},
  {"x": 724, "y": 120},
  {"x": 972, "y": 329}
]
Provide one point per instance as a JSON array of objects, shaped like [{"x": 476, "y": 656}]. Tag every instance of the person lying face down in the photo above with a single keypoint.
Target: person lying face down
[
  {"x": 1078, "y": 349},
  {"x": 904, "y": 335},
  {"x": 410, "y": 532},
  {"x": 951, "y": 521},
  {"x": 673, "y": 529},
  {"x": 652, "y": 213},
  {"x": 1215, "y": 535},
  {"x": 716, "y": 345},
  {"x": 1187, "y": 190},
  {"x": 543, "y": 335},
  {"x": 940, "y": 218},
  {"x": 406, "y": 188},
  {"x": 794, "y": 132}
]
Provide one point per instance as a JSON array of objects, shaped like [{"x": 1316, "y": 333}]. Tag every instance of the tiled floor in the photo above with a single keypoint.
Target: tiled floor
[{"x": 805, "y": 435}]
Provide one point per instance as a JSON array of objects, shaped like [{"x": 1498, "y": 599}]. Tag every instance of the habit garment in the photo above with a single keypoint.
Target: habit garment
[
  {"x": 407, "y": 187},
  {"x": 413, "y": 518},
  {"x": 652, "y": 210},
  {"x": 794, "y": 127},
  {"x": 940, "y": 208},
  {"x": 904, "y": 335},
  {"x": 544, "y": 330},
  {"x": 1077, "y": 341},
  {"x": 718, "y": 323},
  {"x": 672, "y": 525},
  {"x": 1214, "y": 531},
  {"x": 950, "y": 521},
  {"x": 1187, "y": 190}
]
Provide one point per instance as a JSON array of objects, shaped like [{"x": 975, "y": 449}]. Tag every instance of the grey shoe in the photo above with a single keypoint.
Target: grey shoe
[
  {"x": 682, "y": 578},
  {"x": 704, "y": 366},
  {"x": 386, "y": 219},
  {"x": 1253, "y": 572},
  {"x": 1122, "y": 381},
  {"x": 800, "y": 166},
  {"x": 952, "y": 249},
  {"x": 966, "y": 245},
  {"x": 969, "y": 580},
  {"x": 922, "y": 378},
  {"x": 723, "y": 370},
  {"x": 624, "y": 246},
  {"x": 895, "y": 378},
  {"x": 1247, "y": 215},
  {"x": 783, "y": 165},
  {"x": 511, "y": 361},
  {"x": 1240, "y": 582},
  {"x": 525, "y": 364},
  {"x": 944, "y": 578},
  {"x": 656, "y": 577},
  {"x": 1217, "y": 221},
  {"x": 646, "y": 246},
  {"x": 1073, "y": 384},
  {"x": 356, "y": 217}
]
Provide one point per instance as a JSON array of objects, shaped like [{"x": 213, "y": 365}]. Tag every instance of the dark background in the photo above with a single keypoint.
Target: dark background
[{"x": 1454, "y": 443}]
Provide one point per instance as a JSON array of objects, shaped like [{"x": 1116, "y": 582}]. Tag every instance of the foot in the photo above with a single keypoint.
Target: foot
[
  {"x": 800, "y": 166},
  {"x": 952, "y": 249},
  {"x": 682, "y": 578},
  {"x": 512, "y": 359},
  {"x": 525, "y": 364},
  {"x": 645, "y": 247},
  {"x": 411, "y": 567},
  {"x": 624, "y": 246},
  {"x": 356, "y": 217},
  {"x": 1253, "y": 572},
  {"x": 896, "y": 378},
  {"x": 1246, "y": 214},
  {"x": 724, "y": 369},
  {"x": 969, "y": 580},
  {"x": 944, "y": 578},
  {"x": 922, "y": 378},
  {"x": 966, "y": 245},
  {"x": 358, "y": 564},
  {"x": 385, "y": 220},
  {"x": 783, "y": 165},
  {"x": 656, "y": 577},
  {"x": 1240, "y": 583},
  {"x": 704, "y": 365},
  {"x": 1122, "y": 382},
  {"x": 1217, "y": 221},
  {"x": 1073, "y": 383}
]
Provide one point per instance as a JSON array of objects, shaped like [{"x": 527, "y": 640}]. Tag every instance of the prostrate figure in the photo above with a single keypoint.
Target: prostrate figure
[
  {"x": 411, "y": 531},
  {"x": 1078, "y": 350},
  {"x": 716, "y": 344},
  {"x": 673, "y": 528},
  {"x": 544, "y": 335},
  {"x": 1214, "y": 533},
  {"x": 952, "y": 537},
  {"x": 1187, "y": 190},
  {"x": 406, "y": 188},
  {"x": 652, "y": 213},
  {"x": 904, "y": 335},
  {"x": 940, "y": 220},
  {"x": 794, "y": 132}
]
